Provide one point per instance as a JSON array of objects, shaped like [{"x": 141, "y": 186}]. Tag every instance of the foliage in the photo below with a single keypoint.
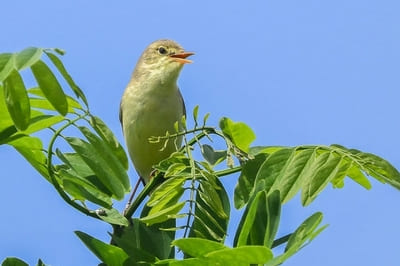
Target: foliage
[{"x": 85, "y": 163}]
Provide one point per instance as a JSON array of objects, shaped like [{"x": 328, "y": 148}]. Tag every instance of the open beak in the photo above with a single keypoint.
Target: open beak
[{"x": 181, "y": 57}]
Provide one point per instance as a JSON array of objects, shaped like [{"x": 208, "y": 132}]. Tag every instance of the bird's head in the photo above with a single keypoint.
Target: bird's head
[{"x": 162, "y": 59}]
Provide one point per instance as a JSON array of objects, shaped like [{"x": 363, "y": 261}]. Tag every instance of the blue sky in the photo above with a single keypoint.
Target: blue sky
[{"x": 297, "y": 72}]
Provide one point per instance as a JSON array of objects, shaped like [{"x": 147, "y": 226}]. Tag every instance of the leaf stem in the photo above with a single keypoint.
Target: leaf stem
[{"x": 52, "y": 175}]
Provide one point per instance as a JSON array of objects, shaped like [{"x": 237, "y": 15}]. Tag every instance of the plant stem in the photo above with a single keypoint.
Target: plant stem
[{"x": 53, "y": 177}]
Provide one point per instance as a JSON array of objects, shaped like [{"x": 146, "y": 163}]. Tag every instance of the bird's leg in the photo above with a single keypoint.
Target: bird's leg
[{"x": 133, "y": 194}]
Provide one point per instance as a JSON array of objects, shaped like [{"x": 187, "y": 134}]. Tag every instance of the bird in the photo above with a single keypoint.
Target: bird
[{"x": 152, "y": 103}]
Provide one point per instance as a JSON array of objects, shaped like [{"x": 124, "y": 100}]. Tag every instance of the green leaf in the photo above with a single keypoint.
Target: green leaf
[
  {"x": 206, "y": 252},
  {"x": 50, "y": 87},
  {"x": 238, "y": 132},
  {"x": 112, "y": 216},
  {"x": 109, "y": 138},
  {"x": 97, "y": 162},
  {"x": 32, "y": 150},
  {"x": 249, "y": 216},
  {"x": 146, "y": 243},
  {"x": 197, "y": 247},
  {"x": 311, "y": 168},
  {"x": 247, "y": 179},
  {"x": 244, "y": 255},
  {"x": 274, "y": 212},
  {"x": 209, "y": 222},
  {"x": 12, "y": 261},
  {"x": 81, "y": 189},
  {"x": 195, "y": 113},
  {"x": 40, "y": 122},
  {"x": 17, "y": 100},
  {"x": 109, "y": 254},
  {"x": 40, "y": 263},
  {"x": 109, "y": 156},
  {"x": 260, "y": 221},
  {"x": 6, "y": 65},
  {"x": 166, "y": 195},
  {"x": 163, "y": 215},
  {"x": 303, "y": 235},
  {"x": 212, "y": 156},
  {"x": 325, "y": 168},
  {"x": 175, "y": 169},
  {"x": 60, "y": 67},
  {"x": 28, "y": 57},
  {"x": 304, "y": 231},
  {"x": 208, "y": 193}
]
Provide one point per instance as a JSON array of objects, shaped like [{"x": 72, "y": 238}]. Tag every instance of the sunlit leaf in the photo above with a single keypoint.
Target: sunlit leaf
[
  {"x": 163, "y": 215},
  {"x": 7, "y": 63},
  {"x": 239, "y": 133},
  {"x": 206, "y": 252},
  {"x": 50, "y": 87},
  {"x": 28, "y": 57},
  {"x": 32, "y": 150},
  {"x": 166, "y": 195},
  {"x": 17, "y": 100},
  {"x": 60, "y": 66},
  {"x": 311, "y": 168}
]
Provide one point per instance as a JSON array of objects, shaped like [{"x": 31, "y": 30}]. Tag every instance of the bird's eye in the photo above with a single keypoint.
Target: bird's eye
[{"x": 162, "y": 50}]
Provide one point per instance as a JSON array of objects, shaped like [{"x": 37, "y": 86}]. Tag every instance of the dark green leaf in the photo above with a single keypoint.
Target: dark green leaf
[
  {"x": 207, "y": 222},
  {"x": 109, "y": 254},
  {"x": 82, "y": 189},
  {"x": 50, "y": 87},
  {"x": 238, "y": 132},
  {"x": 247, "y": 179},
  {"x": 17, "y": 100},
  {"x": 28, "y": 57},
  {"x": 99, "y": 165},
  {"x": 11, "y": 261},
  {"x": 249, "y": 216},
  {"x": 106, "y": 134},
  {"x": 105, "y": 152},
  {"x": 208, "y": 193},
  {"x": 274, "y": 212},
  {"x": 40, "y": 263},
  {"x": 212, "y": 156},
  {"x": 146, "y": 243}
]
